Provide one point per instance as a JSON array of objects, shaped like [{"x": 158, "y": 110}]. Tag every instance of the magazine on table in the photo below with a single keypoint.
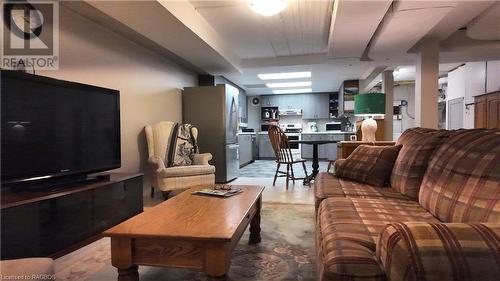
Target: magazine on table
[{"x": 219, "y": 191}]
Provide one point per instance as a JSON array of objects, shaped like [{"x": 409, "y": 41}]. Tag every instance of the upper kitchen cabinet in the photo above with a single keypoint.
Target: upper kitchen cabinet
[
  {"x": 290, "y": 102},
  {"x": 316, "y": 106},
  {"x": 269, "y": 101}
]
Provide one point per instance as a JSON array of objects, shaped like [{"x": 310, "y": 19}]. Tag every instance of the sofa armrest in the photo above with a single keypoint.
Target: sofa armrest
[
  {"x": 338, "y": 163},
  {"x": 439, "y": 251},
  {"x": 202, "y": 159}
]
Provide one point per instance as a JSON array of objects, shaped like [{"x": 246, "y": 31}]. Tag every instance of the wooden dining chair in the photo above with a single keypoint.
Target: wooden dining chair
[{"x": 284, "y": 156}]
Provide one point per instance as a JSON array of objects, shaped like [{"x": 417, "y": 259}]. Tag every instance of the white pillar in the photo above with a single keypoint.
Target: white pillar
[
  {"x": 426, "y": 85},
  {"x": 388, "y": 89}
]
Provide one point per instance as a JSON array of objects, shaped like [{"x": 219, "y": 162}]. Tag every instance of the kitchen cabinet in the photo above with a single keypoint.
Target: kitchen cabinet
[
  {"x": 316, "y": 106},
  {"x": 265, "y": 147},
  {"x": 269, "y": 101},
  {"x": 290, "y": 102},
  {"x": 487, "y": 111},
  {"x": 245, "y": 142}
]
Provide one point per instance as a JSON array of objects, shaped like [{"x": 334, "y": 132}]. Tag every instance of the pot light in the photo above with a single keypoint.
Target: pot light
[
  {"x": 289, "y": 84},
  {"x": 293, "y": 91},
  {"x": 285, "y": 75},
  {"x": 267, "y": 7}
]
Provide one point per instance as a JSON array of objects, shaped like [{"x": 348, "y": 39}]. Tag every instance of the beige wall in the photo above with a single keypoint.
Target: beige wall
[{"x": 149, "y": 85}]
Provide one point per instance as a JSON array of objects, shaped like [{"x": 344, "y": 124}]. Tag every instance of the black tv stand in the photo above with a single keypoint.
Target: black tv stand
[
  {"x": 58, "y": 183},
  {"x": 43, "y": 222}
]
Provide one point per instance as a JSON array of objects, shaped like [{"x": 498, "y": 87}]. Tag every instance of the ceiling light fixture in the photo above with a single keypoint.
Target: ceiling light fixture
[
  {"x": 289, "y": 84},
  {"x": 285, "y": 75},
  {"x": 268, "y": 7},
  {"x": 293, "y": 91}
]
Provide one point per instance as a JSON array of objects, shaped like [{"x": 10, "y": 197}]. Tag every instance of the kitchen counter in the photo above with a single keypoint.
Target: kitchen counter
[{"x": 326, "y": 133}]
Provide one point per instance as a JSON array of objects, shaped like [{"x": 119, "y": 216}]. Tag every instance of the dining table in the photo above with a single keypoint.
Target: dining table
[{"x": 315, "y": 161}]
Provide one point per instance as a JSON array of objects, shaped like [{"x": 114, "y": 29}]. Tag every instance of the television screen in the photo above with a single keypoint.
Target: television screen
[{"x": 53, "y": 128}]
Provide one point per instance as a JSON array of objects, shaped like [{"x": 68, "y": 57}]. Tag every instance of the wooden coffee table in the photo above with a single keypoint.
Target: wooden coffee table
[{"x": 187, "y": 231}]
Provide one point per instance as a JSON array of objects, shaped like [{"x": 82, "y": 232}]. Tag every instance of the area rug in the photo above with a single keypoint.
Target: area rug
[{"x": 285, "y": 253}]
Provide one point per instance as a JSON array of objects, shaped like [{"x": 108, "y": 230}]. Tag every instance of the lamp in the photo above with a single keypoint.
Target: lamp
[{"x": 369, "y": 105}]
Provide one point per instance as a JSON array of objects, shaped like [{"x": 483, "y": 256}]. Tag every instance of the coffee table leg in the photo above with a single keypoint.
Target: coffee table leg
[
  {"x": 255, "y": 224},
  {"x": 121, "y": 258},
  {"x": 217, "y": 260},
  {"x": 129, "y": 274}
]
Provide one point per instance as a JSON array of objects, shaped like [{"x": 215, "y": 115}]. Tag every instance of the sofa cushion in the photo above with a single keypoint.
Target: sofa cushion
[
  {"x": 462, "y": 183},
  {"x": 328, "y": 185},
  {"x": 418, "y": 146},
  {"x": 440, "y": 251},
  {"x": 183, "y": 171},
  {"x": 347, "y": 229},
  {"x": 369, "y": 164}
]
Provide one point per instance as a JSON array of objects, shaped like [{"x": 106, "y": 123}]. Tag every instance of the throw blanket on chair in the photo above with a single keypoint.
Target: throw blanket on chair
[{"x": 182, "y": 146}]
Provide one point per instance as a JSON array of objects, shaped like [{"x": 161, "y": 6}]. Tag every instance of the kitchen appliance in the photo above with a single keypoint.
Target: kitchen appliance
[
  {"x": 269, "y": 113},
  {"x": 214, "y": 111},
  {"x": 290, "y": 112},
  {"x": 291, "y": 128},
  {"x": 56, "y": 131},
  {"x": 293, "y": 132},
  {"x": 334, "y": 126},
  {"x": 313, "y": 127}
]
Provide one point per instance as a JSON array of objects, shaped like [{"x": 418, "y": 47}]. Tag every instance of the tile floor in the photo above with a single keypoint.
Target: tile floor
[
  {"x": 261, "y": 172},
  {"x": 267, "y": 168}
]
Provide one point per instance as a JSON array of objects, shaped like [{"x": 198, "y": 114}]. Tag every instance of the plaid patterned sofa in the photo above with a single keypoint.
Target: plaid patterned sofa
[{"x": 438, "y": 220}]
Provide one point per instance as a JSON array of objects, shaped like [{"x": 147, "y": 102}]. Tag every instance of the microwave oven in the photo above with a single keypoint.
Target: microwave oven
[{"x": 334, "y": 126}]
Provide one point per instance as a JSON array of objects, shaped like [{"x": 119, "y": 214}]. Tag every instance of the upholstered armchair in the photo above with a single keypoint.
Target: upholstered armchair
[{"x": 168, "y": 179}]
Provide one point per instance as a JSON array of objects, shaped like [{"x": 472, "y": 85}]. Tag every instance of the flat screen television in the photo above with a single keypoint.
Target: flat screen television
[{"x": 54, "y": 129}]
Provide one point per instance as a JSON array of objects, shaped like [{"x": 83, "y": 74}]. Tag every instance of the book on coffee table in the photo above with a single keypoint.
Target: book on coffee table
[{"x": 218, "y": 192}]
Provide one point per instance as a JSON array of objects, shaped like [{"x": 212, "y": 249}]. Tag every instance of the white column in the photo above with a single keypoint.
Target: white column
[
  {"x": 426, "y": 85},
  {"x": 388, "y": 89}
]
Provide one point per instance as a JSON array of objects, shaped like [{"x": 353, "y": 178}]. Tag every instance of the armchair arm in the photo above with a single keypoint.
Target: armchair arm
[
  {"x": 157, "y": 163},
  {"x": 202, "y": 159},
  {"x": 439, "y": 251}
]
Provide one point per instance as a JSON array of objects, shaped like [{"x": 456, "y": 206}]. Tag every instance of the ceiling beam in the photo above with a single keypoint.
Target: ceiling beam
[
  {"x": 372, "y": 79},
  {"x": 353, "y": 25},
  {"x": 462, "y": 14},
  {"x": 166, "y": 26},
  {"x": 186, "y": 13}
]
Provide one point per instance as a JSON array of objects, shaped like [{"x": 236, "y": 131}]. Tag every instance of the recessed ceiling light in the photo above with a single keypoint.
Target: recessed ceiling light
[
  {"x": 293, "y": 91},
  {"x": 289, "y": 84},
  {"x": 268, "y": 7},
  {"x": 285, "y": 75}
]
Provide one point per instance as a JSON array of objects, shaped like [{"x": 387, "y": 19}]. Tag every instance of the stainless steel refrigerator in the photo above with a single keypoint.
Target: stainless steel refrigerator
[{"x": 214, "y": 111}]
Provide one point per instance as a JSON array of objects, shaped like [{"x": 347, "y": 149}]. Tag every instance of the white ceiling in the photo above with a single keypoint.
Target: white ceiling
[
  {"x": 336, "y": 40},
  {"x": 325, "y": 76},
  {"x": 301, "y": 29},
  {"x": 407, "y": 72}
]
